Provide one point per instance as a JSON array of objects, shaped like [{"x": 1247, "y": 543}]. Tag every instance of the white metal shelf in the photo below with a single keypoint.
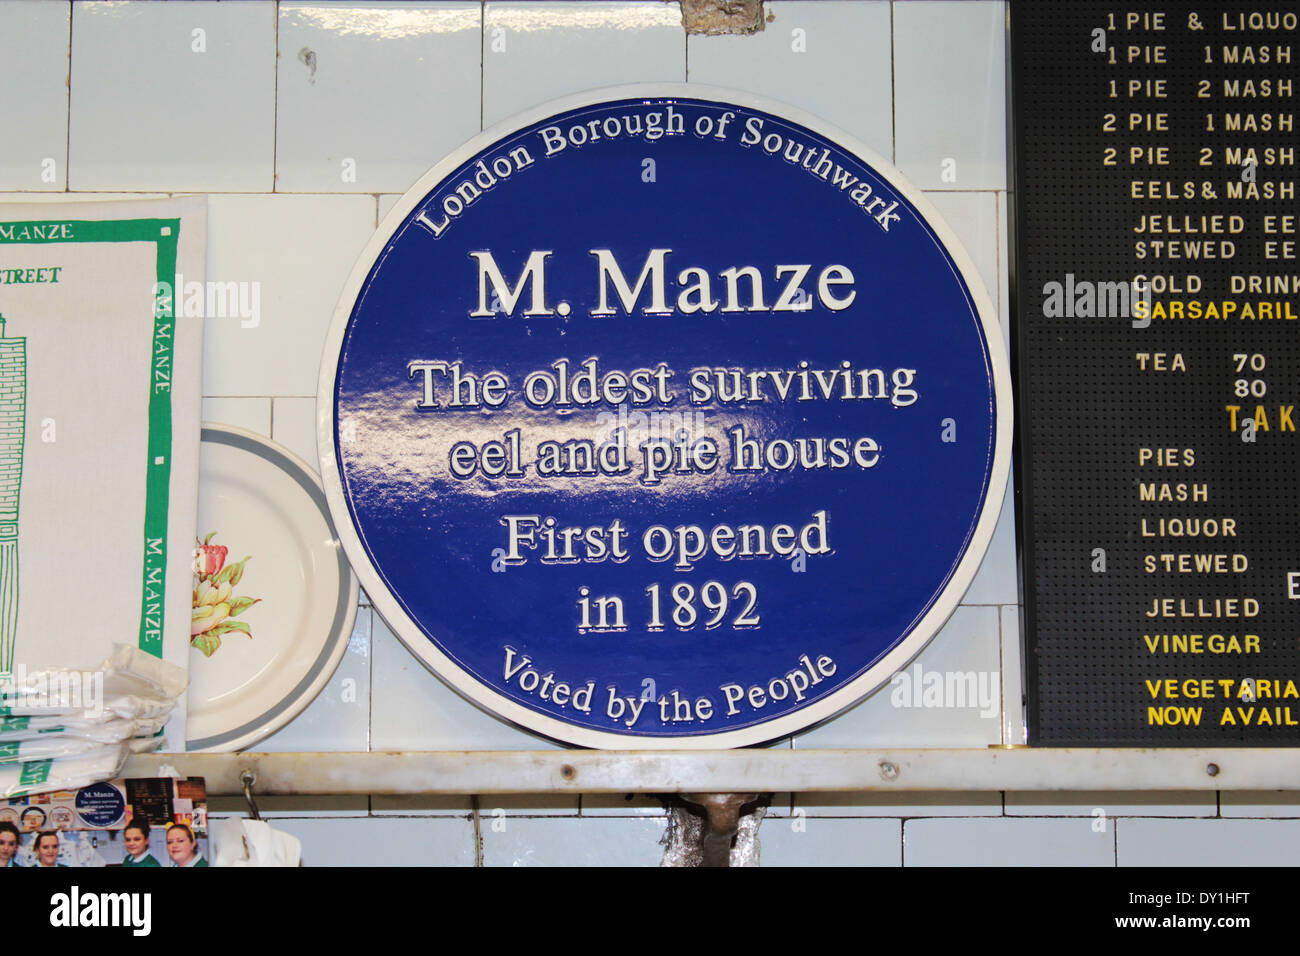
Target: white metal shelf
[{"x": 736, "y": 771}]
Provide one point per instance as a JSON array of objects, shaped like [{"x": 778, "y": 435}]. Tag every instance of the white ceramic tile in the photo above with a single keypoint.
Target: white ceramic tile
[
  {"x": 830, "y": 58},
  {"x": 339, "y": 717},
  {"x": 34, "y": 106},
  {"x": 289, "y": 255},
  {"x": 304, "y": 806},
  {"x": 950, "y": 93},
  {"x": 385, "y": 841},
  {"x": 413, "y": 710},
  {"x": 386, "y": 204},
  {"x": 1014, "y": 731},
  {"x": 294, "y": 427},
  {"x": 1209, "y": 842},
  {"x": 611, "y": 841},
  {"x": 622, "y": 805},
  {"x": 173, "y": 96},
  {"x": 979, "y": 220},
  {"x": 534, "y": 52},
  {"x": 973, "y": 217},
  {"x": 1259, "y": 803},
  {"x": 920, "y": 804},
  {"x": 1111, "y": 804},
  {"x": 1000, "y": 841},
  {"x": 421, "y": 805},
  {"x": 996, "y": 581},
  {"x": 251, "y": 413},
  {"x": 813, "y": 841},
  {"x": 79, "y": 197},
  {"x": 966, "y": 645},
  {"x": 370, "y": 96},
  {"x": 1004, "y": 268}
]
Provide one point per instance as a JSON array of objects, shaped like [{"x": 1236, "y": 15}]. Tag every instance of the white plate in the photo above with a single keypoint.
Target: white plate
[{"x": 264, "y": 502}]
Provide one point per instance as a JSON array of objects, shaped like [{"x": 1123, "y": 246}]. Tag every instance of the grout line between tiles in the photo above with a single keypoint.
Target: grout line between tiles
[
  {"x": 478, "y": 830},
  {"x": 275, "y": 105},
  {"x": 686, "y": 40},
  {"x": 370, "y": 683},
  {"x": 67, "y": 138},
  {"x": 482, "y": 60},
  {"x": 893, "y": 91}
]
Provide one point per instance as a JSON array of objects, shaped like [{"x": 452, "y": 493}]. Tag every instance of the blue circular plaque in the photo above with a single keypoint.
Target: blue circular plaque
[
  {"x": 664, "y": 416},
  {"x": 100, "y": 805}
]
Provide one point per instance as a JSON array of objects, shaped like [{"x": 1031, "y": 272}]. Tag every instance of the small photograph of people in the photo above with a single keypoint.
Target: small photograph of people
[
  {"x": 135, "y": 837},
  {"x": 8, "y": 844},
  {"x": 182, "y": 847},
  {"x": 45, "y": 847},
  {"x": 33, "y": 819},
  {"x": 146, "y": 822}
]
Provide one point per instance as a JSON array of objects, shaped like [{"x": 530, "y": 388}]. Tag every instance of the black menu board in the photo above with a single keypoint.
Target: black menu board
[{"x": 1158, "y": 370}]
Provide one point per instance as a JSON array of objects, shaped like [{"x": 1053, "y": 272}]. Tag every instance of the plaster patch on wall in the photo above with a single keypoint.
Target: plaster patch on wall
[{"x": 720, "y": 17}]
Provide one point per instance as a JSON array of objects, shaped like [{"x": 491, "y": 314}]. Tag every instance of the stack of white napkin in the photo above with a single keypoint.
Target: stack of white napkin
[{"x": 62, "y": 729}]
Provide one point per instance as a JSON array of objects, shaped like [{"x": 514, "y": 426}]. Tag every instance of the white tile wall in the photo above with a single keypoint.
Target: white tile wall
[
  {"x": 294, "y": 427},
  {"x": 1208, "y": 842},
  {"x": 26, "y": 197},
  {"x": 534, "y": 52},
  {"x": 194, "y": 111},
  {"x": 950, "y": 93},
  {"x": 371, "y": 96},
  {"x": 395, "y": 86},
  {"x": 295, "y": 252},
  {"x": 832, "y": 59},
  {"x": 34, "y": 38},
  {"x": 995, "y": 582},
  {"x": 339, "y": 717},
  {"x": 973, "y": 217},
  {"x": 812, "y": 841},
  {"x": 410, "y": 841},
  {"x": 386, "y": 204},
  {"x": 1004, "y": 260},
  {"x": 1013, "y": 687},
  {"x": 1001, "y": 841},
  {"x": 413, "y": 710},
  {"x": 251, "y": 413},
  {"x": 968, "y": 643},
  {"x": 604, "y": 841}
]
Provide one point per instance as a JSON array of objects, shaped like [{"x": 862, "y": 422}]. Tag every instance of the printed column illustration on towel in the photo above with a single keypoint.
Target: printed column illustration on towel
[{"x": 13, "y": 420}]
